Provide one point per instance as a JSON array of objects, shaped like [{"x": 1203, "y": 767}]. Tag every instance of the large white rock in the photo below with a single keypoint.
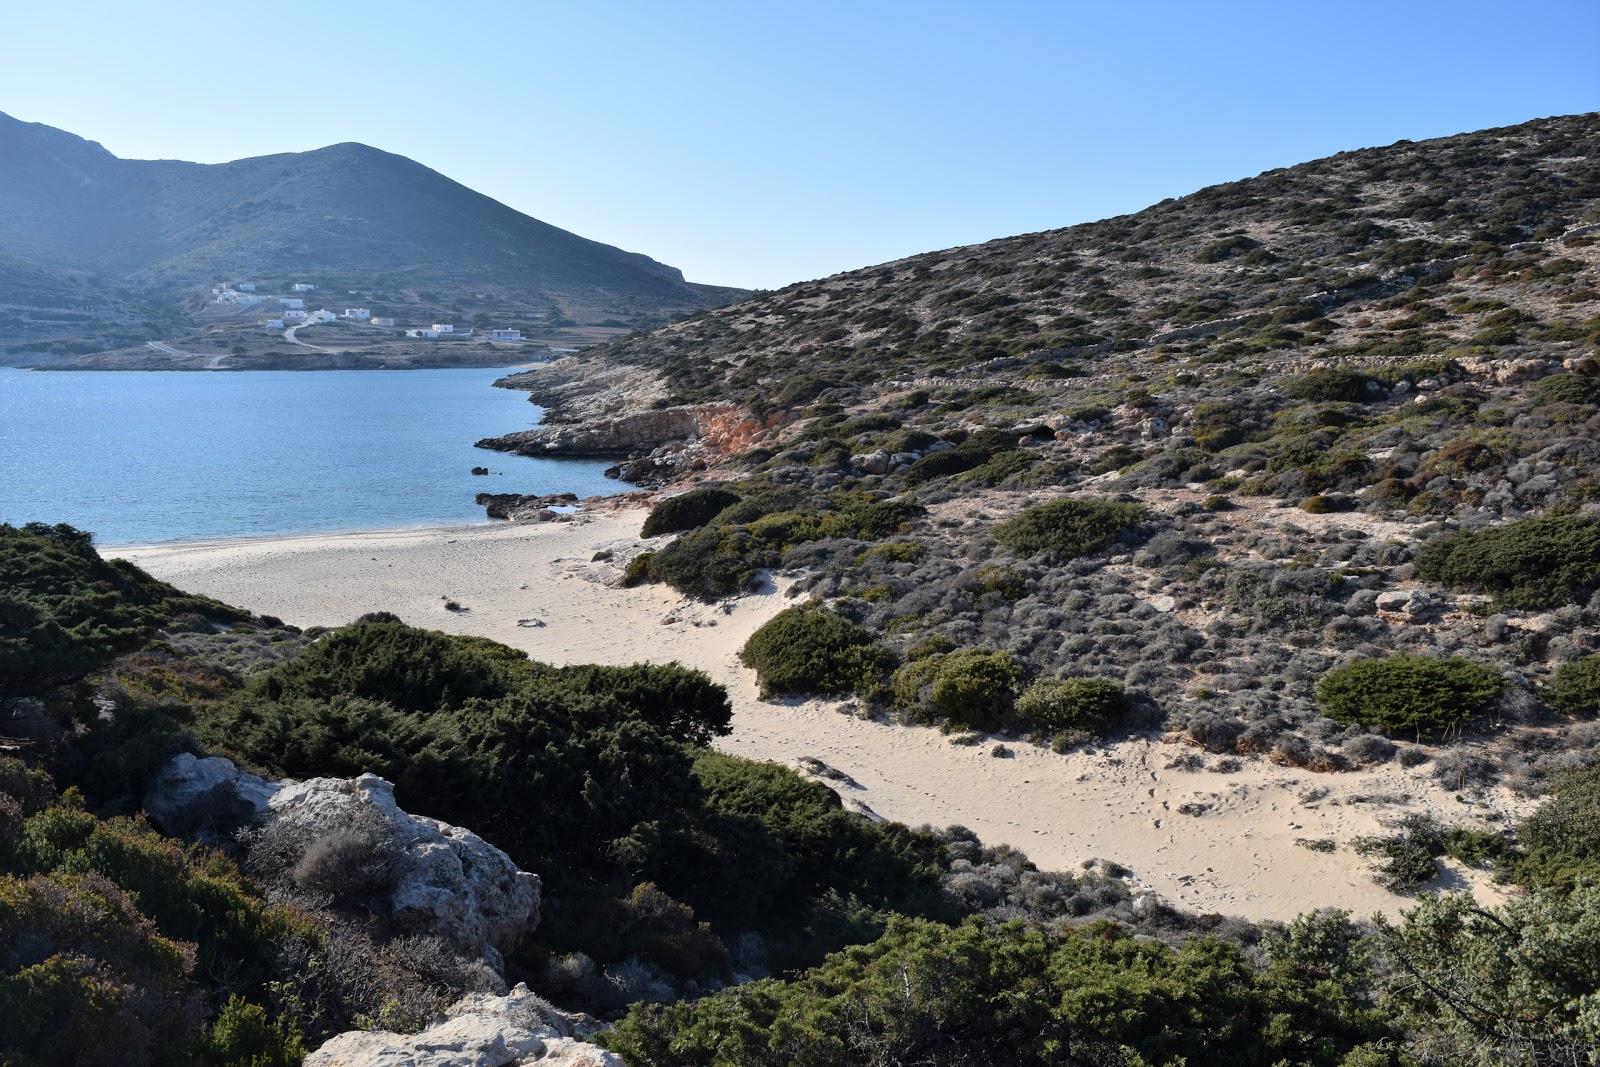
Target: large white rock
[
  {"x": 482, "y": 1031},
  {"x": 444, "y": 880}
]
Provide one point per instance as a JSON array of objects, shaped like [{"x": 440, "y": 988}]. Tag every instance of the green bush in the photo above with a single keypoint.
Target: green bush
[
  {"x": 714, "y": 562},
  {"x": 686, "y": 511},
  {"x": 1575, "y": 689},
  {"x": 1566, "y": 389},
  {"x": 1330, "y": 384},
  {"x": 1406, "y": 694},
  {"x": 930, "y": 994},
  {"x": 1561, "y": 837},
  {"x": 1072, "y": 527},
  {"x": 972, "y": 687},
  {"x": 810, "y": 650},
  {"x": 638, "y": 570},
  {"x": 1092, "y": 705},
  {"x": 957, "y": 460},
  {"x": 65, "y": 612},
  {"x": 1531, "y": 563}
]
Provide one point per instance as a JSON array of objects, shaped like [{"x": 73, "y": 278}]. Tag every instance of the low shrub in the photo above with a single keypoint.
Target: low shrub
[
  {"x": 638, "y": 570},
  {"x": 1071, "y": 527},
  {"x": 810, "y": 650},
  {"x": 972, "y": 688},
  {"x": 1089, "y": 704},
  {"x": 1532, "y": 563},
  {"x": 1416, "y": 695},
  {"x": 1562, "y": 836},
  {"x": 939, "y": 464},
  {"x": 1566, "y": 389},
  {"x": 714, "y": 562},
  {"x": 1330, "y": 385},
  {"x": 686, "y": 511},
  {"x": 1575, "y": 689}
]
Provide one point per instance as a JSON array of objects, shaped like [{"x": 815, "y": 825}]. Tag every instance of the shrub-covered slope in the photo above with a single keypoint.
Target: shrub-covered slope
[{"x": 1210, "y": 451}]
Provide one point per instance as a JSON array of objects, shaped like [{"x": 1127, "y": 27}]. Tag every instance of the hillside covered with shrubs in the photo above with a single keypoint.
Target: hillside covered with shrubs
[{"x": 1209, "y": 453}]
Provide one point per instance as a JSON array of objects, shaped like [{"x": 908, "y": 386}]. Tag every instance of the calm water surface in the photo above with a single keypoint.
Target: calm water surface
[{"x": 158, "y": 456}]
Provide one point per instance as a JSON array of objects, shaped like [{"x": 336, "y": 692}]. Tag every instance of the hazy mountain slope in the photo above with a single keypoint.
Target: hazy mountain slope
[{"x": 348, "y": 213}]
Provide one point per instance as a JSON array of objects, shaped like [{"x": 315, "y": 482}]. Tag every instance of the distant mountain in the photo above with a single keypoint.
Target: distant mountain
[{"x": 76, "y": 220}]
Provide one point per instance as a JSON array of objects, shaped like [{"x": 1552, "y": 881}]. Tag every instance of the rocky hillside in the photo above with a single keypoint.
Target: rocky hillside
[
  {"x": 80, "y": 226},
  {"x": 1403, "y": 251},
  {"x": 1209, "y": 453}
]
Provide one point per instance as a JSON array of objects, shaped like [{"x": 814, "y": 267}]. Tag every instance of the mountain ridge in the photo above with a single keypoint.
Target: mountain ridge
[{"x": 347, "y": 215}]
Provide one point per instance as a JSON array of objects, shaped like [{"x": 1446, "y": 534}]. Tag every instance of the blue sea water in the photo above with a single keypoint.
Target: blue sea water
[{"x": 137, "y": 457}]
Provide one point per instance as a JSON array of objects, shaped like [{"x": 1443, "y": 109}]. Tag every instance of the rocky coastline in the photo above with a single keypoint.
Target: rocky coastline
[{"x": 598, "y": 412}]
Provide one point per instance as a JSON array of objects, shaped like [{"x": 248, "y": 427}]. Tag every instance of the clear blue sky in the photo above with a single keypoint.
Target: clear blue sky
[{"x": 760, "y": 143}]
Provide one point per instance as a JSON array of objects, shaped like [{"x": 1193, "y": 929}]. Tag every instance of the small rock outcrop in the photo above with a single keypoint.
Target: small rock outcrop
[
  {"x": 519, "y": 506},
  {"x": 482, "y": 1031},
  {"x": 421, "y": 875}
]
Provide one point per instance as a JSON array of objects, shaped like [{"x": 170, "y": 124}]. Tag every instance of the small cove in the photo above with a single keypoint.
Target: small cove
[{"x": 140, "y": 457}]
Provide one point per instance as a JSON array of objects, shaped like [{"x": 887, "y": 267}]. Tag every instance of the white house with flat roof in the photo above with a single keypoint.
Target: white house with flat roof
[
  {"x": 294, "y": 316},
  {"x": 443, "y": 327},
  {"x": 247, "y": 287},
  {"x": 302, "y": 287},
  {"x": 505, "y": 335},
  {"x": 382, "y": 320},
  {"x": 273, "y": 324},
  {"x": 291, "y": 302},
  {"x": 358, "y": 314},
  {"x": 323, "y": 315}
]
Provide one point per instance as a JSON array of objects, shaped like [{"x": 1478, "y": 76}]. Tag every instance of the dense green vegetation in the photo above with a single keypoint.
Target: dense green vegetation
[
  {"x": 686, "y": 511},
  {"x": 1535, "y": 563},
  {"x": 808, "y": 649},
  {"x": 1561, "y": 839},
  {"x": 120, "y": 946},
  {"x": 1073, "y": 527},
  {"x": 1575, "y": 689},
  {"x": 1415, "y": 696},
  {"x": 469, "y": 730},
  {"x": 925, "y": 993},
  {"x": 64, "y": 611},
  {"x": 754, "y": 533},
  {"x": 971, "y": 687},
  {"x": 1091, "y": 705}
]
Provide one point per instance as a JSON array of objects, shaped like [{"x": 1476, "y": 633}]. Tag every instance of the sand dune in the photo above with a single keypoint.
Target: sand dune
[{"x": 539, "y": 588}]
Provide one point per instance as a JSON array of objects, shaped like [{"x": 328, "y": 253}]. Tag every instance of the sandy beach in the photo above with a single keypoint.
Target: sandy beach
[{"x": 540, "y": 588}]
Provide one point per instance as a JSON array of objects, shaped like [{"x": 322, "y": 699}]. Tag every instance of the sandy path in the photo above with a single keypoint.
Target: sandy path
[{"x": 537, "y": 587}]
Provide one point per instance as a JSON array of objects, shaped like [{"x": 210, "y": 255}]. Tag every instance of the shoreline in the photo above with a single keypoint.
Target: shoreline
[{"x": 551, "y": 589}]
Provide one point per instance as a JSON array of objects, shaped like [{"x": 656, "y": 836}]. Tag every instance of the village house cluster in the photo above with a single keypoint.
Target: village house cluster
[{"x": 294, "y": 313}]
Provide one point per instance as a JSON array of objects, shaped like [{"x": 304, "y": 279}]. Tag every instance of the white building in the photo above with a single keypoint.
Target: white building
[
  {"x": 432, "y": 335},
  {"x": 247, "y": 287},
  {"x": 233, "y": 296},
  {"x": 273, "y": 324},
  {"x": 302, "y": 287},
  {"x": 294, "y": 316},
  {"x": 505, "y": 335},
  {"x": 323, "y": 315},
  {"x": 443, "y": 327},
  {"x": 382, "y": 321},
  {"x": 358, "y": 314},
  {"x": 291, "y": 302}
]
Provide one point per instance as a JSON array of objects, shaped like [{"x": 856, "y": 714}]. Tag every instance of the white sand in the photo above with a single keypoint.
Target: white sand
[{"x": 1238, "y": 858}]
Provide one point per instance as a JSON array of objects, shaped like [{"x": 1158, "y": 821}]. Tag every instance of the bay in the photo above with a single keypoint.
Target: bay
[{"x": 139, "y": 457}]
